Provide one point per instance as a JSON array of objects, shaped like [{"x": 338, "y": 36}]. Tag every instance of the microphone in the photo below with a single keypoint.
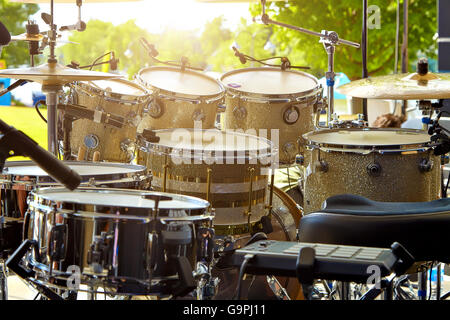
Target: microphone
[
  {"x": 5, "y": 36},
  {"x": 150, "y": 48},
  {"x": 21, "y": 144},
  {"x": 240, "y": 56},
  {"x": 113, "y": 62}
]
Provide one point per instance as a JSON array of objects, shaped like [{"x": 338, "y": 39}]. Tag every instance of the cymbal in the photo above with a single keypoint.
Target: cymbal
[
  {"x": 403, "y": 86},
  {"x": 27, "y": 37},
  {"x": 36, "y": 37},
  {"x": 55, "y": 74}
]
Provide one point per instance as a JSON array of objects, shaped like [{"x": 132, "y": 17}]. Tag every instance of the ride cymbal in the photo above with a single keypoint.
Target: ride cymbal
[{"x": 405, "y": 86}]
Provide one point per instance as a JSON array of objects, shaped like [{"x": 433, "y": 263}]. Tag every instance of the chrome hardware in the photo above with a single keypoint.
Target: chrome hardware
[
  {"x": 98, "y": 254},
  {"x": 155, "y": 110},
  {"x": 291, "y": 115},
  {"x": 426, "y": 165},
  {"x": 374, "y": 169},
  {"x": 300, "y": 159},
  {"x": 91, "y": 141},
  {"x": 290, "y": 149},
  {"x": 321, "y": 165},
  {"x": 240, "y": 112},
  {"x": 198, "y": 115}
]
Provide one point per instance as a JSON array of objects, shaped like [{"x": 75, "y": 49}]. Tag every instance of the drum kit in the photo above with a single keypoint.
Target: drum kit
[{"x": 177, "y": 170}]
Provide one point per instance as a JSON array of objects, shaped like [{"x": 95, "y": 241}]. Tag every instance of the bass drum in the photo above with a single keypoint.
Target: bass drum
[{"x": 286, "y": 217}]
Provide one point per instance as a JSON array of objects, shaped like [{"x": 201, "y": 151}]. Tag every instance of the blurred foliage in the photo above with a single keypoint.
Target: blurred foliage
[
  {"x": 345, "y": 17},
  {"x": 14, "y": 16}
]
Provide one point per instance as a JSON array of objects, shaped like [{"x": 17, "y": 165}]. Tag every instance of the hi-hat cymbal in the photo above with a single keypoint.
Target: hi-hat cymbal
[
  {"x": 36, "y": 37},
  {"x": 404, "y": 86},
  {"x": 55, "y": 74}
]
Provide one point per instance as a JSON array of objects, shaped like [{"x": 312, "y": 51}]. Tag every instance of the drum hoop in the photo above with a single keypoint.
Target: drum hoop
[
  {"x": 7, "y": 180},
  {"x": 181, "y": 153},
  {"x": 90, "y": 88},
  {"x": 173, "y": 95},
  {"x": 41, "y": 192},
  {"x": 272, "y": 98},
  {"x": 357, "y": 148}
]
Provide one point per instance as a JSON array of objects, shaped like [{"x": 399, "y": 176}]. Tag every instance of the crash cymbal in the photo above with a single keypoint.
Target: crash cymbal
[
  {"x": 55, "y": 74},
  {"x": 404, "y": 86}
]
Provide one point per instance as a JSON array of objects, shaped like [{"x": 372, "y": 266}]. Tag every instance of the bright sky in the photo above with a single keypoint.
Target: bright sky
[{"x": 152, "y": 15}]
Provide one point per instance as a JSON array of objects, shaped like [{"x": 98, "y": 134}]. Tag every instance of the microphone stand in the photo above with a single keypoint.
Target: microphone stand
[{"x": 330, "y": 40}]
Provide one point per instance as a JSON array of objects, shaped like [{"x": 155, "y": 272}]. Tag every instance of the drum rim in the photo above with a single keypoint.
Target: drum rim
[
  {"x": 316, "y": 91},
  {"x": 40, "y": 193},
  {"x": 353, "y": 146},
  {"x": 87, "y": 86},
  {"x": 107, "y": 178},
  {"x": 149, "y": 147},
  {"x": 156, "y": 90}
]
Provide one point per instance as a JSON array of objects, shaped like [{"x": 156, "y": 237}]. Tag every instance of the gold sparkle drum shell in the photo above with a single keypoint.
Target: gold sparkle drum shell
[
  {"x": 228, "y": 169},
  {"x": 272, "y": 99},
  {"x": 382, "y": 164},
  {"x": 117, "y": 97},
  {"x": 180, "y": 99}
]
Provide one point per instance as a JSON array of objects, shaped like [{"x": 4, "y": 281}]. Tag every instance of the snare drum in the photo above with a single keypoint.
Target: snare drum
[
  {"x": 117, "y": 97},
  {"x": 228, "y": 169},
  {"x": 181, "y": 99},
  {"x": 20, "y": 177},
  {"x": 382, "y": 164},
  {"x": 271, "y": 99},
  {"x": 124, "y": 241}
]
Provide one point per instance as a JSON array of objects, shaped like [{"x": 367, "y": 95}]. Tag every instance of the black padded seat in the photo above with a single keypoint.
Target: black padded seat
[{"x": 423, "y": 228}]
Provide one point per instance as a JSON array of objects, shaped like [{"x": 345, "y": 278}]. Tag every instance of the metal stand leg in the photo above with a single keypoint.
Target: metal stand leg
[
  {"x": 3, "y": 282},
  {"x": 422, "y": 290},
  {"x": 344, "y": 290},
  {"x": 52, "y": 117},
  {"x": 438, "y": 281}
]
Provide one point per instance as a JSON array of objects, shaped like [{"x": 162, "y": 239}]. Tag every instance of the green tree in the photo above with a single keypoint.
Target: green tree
[
  {"x": 345, "y": 17},
  {"x": 14, "y": 15}
]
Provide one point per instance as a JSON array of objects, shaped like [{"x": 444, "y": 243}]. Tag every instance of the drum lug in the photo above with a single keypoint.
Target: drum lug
[
  {"x": 97, "y": 256},
  {"x": 321, "y": 165},
  {"x": 240, "y": 112},
  {"x": 300, "y": 159},
  {"x": 198, "y": 115},
  {"x": 291, "y": 115},
  {"x": 374, "y": 169},
  {"x": 92, "y": 182},
  {"x": 290, "y": 150},
  {"x": 426, "y": 165},
  {"x": 155, "y": 109},
  {"x": 57, "y": 242}
]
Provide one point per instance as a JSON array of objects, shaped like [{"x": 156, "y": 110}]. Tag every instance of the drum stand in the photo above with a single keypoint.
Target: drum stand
[{"x": 330, "y": 40}]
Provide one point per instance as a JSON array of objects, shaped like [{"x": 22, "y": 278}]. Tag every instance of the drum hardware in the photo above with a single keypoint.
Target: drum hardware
[
  {"x": 321, "y": 166},
  {"x": 240, "y": 112},
  {"x": 153, "y": 53},
  {"x": 357, "y": 123},
  {"x": 330, "y": 40},
  {"x": 285, "y": 63},
  {"x": 291, "y": 115},
  {"x": 374, "y": 169},
  {"x": 198, "y": 115},
  {"x": 426, "y": 165}
]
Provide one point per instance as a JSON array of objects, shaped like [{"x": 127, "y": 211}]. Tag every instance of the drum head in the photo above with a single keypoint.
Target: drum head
[
  {"x": 101, "y": 171},
  {"x": 121, "y": 198},
  {"x": 119, "y": 86},
  {"x": 377, "y": 137},
  {"x": 221, "y": 143},
  {"x": 174, "y": 80},
  {"x": 270, "y": 81}
]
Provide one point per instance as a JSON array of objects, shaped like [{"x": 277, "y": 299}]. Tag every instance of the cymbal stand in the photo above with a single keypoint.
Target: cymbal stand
[{"x": 330, "y": 40}]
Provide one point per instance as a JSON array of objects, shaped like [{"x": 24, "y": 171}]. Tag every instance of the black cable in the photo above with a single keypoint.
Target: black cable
[
  {"x": 247, "y": 259},
  {"x": 36, "y": 106},
  {"x": 285, "y": 63}
]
